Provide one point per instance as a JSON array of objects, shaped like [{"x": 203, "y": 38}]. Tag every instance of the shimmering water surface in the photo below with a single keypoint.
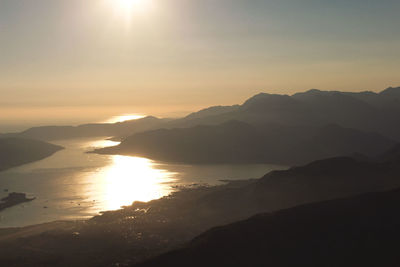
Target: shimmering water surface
[{"x": 73, "y": 184}]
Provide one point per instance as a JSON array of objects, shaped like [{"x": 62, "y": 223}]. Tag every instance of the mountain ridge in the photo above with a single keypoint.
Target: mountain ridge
[
  {"x": 239, "y": 142},
  {"x": 367, "y": 111}
]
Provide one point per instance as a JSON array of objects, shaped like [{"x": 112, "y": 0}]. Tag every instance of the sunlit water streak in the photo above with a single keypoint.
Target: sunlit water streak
[
  {"x": 125, "y": 117},
  {"x": 130, "y": 179},
  {"x": 73, "y": 184},
  {"x": 127, "y": 179}
]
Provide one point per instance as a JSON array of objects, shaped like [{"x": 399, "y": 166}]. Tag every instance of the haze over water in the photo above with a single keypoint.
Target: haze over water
[{"x": 73, "y": 184}]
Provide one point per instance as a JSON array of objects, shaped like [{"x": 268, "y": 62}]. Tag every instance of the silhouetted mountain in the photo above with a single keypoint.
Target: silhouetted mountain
[
  {"x": 320, "y": 180},
  {"x": 119, "y": 129},
  {"x": 388, "y": 99},
  {"x": 18, "y": 151},
  {"x": 211, "y": 111},
  {"x": 272, "y": 128},
  {"x": 239, "y": 142},
  {"x": 366, "y": 111},
  {"x": 335, "y": 106},
  {"x": 359, "y": 231}
]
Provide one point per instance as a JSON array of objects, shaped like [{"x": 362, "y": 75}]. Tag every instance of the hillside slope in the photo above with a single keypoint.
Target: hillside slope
[
  {"x": 239, "y": 142},
  {"x": 18, "y": 151},
  {"x": 359, "y": 231}
]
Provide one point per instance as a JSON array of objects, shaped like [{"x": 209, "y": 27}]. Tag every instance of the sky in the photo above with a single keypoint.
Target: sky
[{"x": 67, "y": 60}]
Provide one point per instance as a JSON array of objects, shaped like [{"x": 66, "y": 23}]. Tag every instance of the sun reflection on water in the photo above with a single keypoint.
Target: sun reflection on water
[
  {"x": 130, "y": 179},
  {"x": 126, "y": 179},
  {"x": 100, "y": 144}
]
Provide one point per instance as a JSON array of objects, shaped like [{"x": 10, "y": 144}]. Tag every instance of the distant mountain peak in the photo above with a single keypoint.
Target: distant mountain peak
[
  {"x": 312, "y": 91},
  {"x": 264, "y": 100},
  {"x": 317, "y": 92},
  {"x": 212, "y": 111},
  {"x": 391, "y": 91}
]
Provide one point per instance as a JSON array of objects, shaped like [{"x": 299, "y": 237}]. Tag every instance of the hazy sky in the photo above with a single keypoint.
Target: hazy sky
[{"x": 169, "y": 56}]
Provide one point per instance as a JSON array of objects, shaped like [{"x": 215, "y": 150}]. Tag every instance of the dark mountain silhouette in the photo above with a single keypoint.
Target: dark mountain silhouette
[
  {"x": 359, "y": 231},
  {"x": 270, "y": 128},
  {"x": 239, "y": 142},
  {"x": 119, "y": 129},
  {"x": 320, "y": 180},
  {"x": 211, "y": 111},
  {"x": 388, "y": 99},
  {"x": 18, "y": 151},
  {"x": 366, "y": 111}
]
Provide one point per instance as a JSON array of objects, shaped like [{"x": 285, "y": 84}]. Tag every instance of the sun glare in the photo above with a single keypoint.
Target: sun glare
[
  {"x": 129, "y": 3},
  {"x": 127, "y": 179},
  {"x": 128, "y": 8},
  {"x": 130, "y": 179},
  {"x": 125, "y": 117}
]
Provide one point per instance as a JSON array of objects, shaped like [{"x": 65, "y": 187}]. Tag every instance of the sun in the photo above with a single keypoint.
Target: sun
[
  {"x": 132, "y": 6},
  {"x": 129, "y": 10},
  {"x": 129, "y": 4}
]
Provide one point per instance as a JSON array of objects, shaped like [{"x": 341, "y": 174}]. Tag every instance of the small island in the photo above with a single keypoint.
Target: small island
[{"x": 13, "y": 199}]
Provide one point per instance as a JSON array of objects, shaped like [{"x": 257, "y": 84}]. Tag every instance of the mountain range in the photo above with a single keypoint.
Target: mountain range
[
  {"x": 278, "y": 129},
  {"x": 320, "y": 212},
  {"x": 267, "y": 128},
  {"x": 367, "y": 111}
]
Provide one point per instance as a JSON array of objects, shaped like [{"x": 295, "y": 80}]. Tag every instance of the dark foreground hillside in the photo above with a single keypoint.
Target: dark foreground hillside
[
  {"x": 18, "y": 151},
  {"x": 359, "y": 231}
]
